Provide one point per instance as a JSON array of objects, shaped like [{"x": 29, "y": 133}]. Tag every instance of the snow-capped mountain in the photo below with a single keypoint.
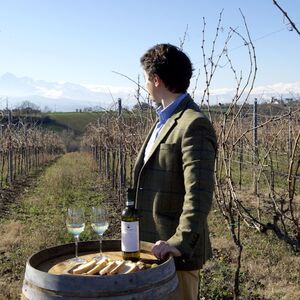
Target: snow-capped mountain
[{"x": 64, "y": 96}]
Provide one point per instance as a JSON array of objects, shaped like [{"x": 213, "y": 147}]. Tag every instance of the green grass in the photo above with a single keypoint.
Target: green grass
[
  {"x": 72, "y": 120},
  {"x": 270, "y": 270}
]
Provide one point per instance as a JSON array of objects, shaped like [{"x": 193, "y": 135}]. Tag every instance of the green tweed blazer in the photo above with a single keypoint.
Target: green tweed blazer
[{"x": 175, "y": 185}]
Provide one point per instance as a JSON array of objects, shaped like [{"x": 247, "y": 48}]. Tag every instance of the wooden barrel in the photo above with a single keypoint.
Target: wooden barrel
[{"x": 44, "y": 278}]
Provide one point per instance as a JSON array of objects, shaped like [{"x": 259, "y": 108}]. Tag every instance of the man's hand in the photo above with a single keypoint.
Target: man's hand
[{"x": 161, "y": 249}]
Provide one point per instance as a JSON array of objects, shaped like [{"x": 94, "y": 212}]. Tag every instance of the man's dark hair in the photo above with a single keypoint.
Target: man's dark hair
[{"x": 172, "y": 66}]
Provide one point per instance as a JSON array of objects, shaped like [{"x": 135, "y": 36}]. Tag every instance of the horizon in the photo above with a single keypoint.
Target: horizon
[{"x": 103, "y": 100}]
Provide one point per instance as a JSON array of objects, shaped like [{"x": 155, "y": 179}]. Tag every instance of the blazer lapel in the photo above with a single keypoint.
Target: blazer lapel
[
  {"x": 169, "y": 125},
  {"x": 140, "y": 157}
]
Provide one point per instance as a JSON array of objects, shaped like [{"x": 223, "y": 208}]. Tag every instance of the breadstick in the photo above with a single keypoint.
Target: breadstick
[
  {"x": 99, "y": 266},
  {"x": 85, "y": 267},
  {"x": 117, "y": 268},
  {"x": 108, "y": 268}
]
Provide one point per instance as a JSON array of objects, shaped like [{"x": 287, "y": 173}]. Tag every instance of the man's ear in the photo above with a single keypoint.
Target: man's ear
[{"x": 156, "y": 80}]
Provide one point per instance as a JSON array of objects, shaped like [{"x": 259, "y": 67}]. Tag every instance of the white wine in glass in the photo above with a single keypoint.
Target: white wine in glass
[
  {"x": 75, "y": 224},
  {"x": 99, "y": 222}
]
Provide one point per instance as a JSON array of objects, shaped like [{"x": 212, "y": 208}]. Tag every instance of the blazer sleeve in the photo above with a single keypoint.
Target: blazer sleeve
[{"x": 198, "y": 158}]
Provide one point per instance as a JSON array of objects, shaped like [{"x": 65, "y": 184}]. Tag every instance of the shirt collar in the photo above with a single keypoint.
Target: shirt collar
[{"x": 165, "y": 113}]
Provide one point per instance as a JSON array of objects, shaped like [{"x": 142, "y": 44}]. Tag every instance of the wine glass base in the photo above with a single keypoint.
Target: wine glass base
[
  {"x": 99, "y": 257},
  {"x": 77, "y": 260}
]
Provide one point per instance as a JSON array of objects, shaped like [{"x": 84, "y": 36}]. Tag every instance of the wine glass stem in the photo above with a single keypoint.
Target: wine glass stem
[
  {"x": 76, "y": 245},
  {"x": 100, "y": 242}
]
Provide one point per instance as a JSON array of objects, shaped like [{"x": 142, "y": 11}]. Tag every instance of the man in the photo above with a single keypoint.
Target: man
[{"x": 174, "y": 170}]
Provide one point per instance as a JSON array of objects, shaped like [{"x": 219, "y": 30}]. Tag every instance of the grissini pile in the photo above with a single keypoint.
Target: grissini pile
[{"x": 105, "y": 267}]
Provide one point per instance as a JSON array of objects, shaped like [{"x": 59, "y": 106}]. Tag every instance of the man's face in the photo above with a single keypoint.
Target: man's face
[
  {"x": 149, "y": 85},
  {"x": 153, "y": 87}
]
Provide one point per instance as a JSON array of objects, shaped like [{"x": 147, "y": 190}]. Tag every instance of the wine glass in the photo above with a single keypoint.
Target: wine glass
[
  {"x": 99, "y": 222},
  {"x": 75, "y": 225}
]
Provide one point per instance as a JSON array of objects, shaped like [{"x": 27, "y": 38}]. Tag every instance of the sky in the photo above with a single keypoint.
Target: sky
[{"x": 84, "y": 42}]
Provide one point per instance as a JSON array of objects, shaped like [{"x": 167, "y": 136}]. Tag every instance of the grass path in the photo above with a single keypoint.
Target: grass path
[{"x": 37, "y": 220}]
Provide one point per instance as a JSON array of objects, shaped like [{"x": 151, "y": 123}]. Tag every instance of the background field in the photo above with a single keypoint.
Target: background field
[{"x": 75, "y": 121}]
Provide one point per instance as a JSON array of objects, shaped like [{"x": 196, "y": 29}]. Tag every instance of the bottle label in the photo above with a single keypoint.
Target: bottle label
[{"x": 130, "y": 236}]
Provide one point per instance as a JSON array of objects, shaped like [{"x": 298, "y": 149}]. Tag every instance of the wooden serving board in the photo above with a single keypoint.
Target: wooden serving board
[{"x": 62, "y": 265}]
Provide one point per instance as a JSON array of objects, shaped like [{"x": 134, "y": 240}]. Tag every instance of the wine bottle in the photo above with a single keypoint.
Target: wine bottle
[{"x": 130, "y": 243}]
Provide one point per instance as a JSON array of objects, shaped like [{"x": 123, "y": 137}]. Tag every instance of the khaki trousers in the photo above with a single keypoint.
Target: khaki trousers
[{"x": 188, "y": 285}]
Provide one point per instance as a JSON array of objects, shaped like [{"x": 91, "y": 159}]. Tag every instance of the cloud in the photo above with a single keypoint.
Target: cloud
[
  {"x": 261, "y": 92},
  {"x": 278, "y": 88},
  {"x": 221, "y": 91},
  {"x": 270, "y": 89},
  {"x": 99, "y": 88},
  {"x": 49, "y": 92}
]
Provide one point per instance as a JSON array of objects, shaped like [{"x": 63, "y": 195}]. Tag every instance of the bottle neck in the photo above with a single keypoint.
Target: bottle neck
[
  {"x": 129, "y": 203},
  {"x": 130, "y": 197}
]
